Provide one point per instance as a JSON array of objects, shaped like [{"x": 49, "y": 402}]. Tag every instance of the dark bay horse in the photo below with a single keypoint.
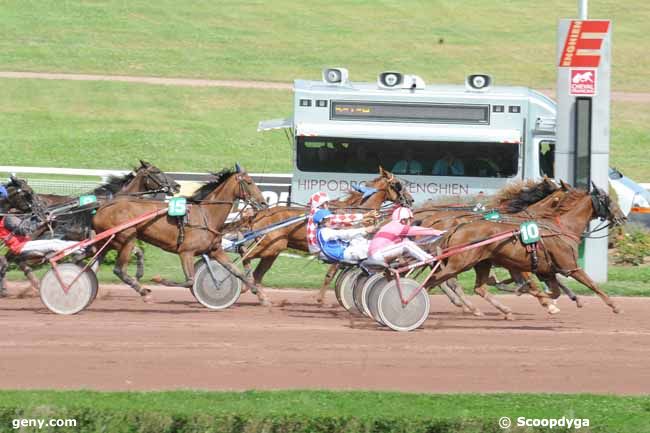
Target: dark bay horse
[
  {"x": 146, "y": 179},
  {"x": 562, "y": 225},
  {"x": 388, "y": 189},
  {"x": 207, "y": 213}
]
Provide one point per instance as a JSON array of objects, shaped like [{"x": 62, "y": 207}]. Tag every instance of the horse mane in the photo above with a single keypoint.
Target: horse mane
[
  {"x": 566, "y": 204},
  {"x": 349, "y": 197},
  {"x": 219, "y": 179},
  {"x": 518, "y": 196},
  {"x": 113, "y": 185}
]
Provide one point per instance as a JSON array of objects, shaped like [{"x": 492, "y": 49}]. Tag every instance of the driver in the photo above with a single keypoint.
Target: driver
[
  {"x": 391, "y": 240},
  {"x": 343, "y": 244},
  {"x": 16, "y": 233}
]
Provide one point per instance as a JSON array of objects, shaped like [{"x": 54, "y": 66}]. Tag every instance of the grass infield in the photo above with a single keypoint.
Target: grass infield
[
  {"x": 108, "y": 125},
  {"x": 319, "y": 411},
  {"x": 441, "y": 40}
]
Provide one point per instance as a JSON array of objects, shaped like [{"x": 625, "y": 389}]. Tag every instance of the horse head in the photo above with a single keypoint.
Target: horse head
[
  {"x": 148, "y": 177},
  {"x": 393, "y": 187},
  {"x": 231, "y": 184},
  {"x": 248, "y": 190},
  {"x": 605, "y": 208},
  {"x": 21, "y": 196}
]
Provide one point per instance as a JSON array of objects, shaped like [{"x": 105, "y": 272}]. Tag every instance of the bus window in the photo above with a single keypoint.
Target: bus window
[
  {"x": 547, "y": 158},
  {"x": 425, "y": 158}
]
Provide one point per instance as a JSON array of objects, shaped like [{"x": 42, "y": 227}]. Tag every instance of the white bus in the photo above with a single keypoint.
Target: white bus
[{"x": 446, "y": 140}]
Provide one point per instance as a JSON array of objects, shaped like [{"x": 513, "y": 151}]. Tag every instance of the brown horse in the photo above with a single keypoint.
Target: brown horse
[
  {"x": 561, "y": 224},
  {"x": 522, "y": 198},
  {"x": 208, "y": 210},
  {"x": 389, "y": 189}
]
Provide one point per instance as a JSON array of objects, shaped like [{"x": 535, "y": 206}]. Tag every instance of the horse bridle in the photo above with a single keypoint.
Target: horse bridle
[
  {"x": 165, "y": 186},
  {"x": 397, "y": 185},
  {"x": 246, "y": 196}
]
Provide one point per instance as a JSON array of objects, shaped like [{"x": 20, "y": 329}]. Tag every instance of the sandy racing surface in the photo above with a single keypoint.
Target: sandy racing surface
[{"x": 120, "y": 343}]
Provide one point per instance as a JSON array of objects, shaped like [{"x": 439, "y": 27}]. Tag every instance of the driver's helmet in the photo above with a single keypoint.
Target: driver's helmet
[
  {"x": 320, "y": 215},
  {"x": 318, "y": 199},
  {"x": 401, "y": 213}
]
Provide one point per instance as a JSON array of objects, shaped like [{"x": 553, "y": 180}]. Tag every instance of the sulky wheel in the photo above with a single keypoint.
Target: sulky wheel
[
  {"x": 78, "y": 296},
  {"x": 373, "y": 282},
  {"x": 338, "y": 281},
  {"x": 373, "y": 298},
  {"x": 356, "y": 291},
  {"x": 398, "y": 316},
  {"x": 95, "y": 288},
  {"x": 218, "y": 292},
  {"x": 345, "y": 292}
]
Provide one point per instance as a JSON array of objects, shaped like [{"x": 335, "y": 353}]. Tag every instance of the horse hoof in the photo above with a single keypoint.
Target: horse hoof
[
  {"x": 266, "y": 303},
  {"x": 552, "y": 309},
  {"x": 147, "y": 299},
  {"x": 157, "y": 279},
  {"x": 509, "y": 316},
  {"x": 3, "y": 294},
  {"x": 477, "y": 313},
  {"x": 466, "y": 310},
  {"x": 617, "y": 310}
]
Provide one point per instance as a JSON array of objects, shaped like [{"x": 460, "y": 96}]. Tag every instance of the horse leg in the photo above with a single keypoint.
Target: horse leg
[
  {"x": 526, "y": 279},
  {"x": 457, "y": 290},
  {"x": 482, "y": 275},
  {"x": 248, "y": 269},
  {"x": 582, "y": 277},
  {"x": 557, "y": 288},
  {"x": 187, "y": 264},
  {"x": 121, "y": 269},
  {"x": 569, "y": 293},
  {"x": 262, "y": 268},
  {"x": 221, "y": 257},
  {"x": 29, "y": 273},
  {"x": 139, "y": 261},
  {"x": 329, "y": 276},
  {"x": 4, "y": 265}
]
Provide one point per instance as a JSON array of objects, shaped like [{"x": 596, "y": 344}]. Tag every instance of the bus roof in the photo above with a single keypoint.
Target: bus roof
[{"x": 431, "y": 90}]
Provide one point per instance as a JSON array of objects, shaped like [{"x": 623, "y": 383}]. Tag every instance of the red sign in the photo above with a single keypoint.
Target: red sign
[
  {"x": 583, "y": 42},
  {"x": 583, "y": 82}
]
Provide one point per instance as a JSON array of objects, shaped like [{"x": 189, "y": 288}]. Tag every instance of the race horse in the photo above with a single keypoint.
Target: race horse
[
  {"x": 526, "y": 198},
  {"x": 66, "y": 222},
  {"x": 146, "y": 180},
  {"x": 385, "y": 188},
  {"x": 199, "y": 234},
  {"x": 562, "y": 225}
]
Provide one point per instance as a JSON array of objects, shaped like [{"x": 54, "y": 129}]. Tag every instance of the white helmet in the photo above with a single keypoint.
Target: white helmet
[
  {"x": 318, "y": 199},
  {"x": 401, "y": 213}
]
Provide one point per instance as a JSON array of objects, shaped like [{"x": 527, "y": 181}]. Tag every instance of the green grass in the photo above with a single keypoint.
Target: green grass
[
  {"x": 319, "y": 411},
  {"x": 111, "y": 125},
  {"x": 515, "y": 40}
]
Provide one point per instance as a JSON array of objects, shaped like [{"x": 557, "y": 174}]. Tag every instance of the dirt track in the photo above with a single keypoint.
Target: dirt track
[
  {"x": 121, "y": 343},
  {"x": 241, "y": 84}
]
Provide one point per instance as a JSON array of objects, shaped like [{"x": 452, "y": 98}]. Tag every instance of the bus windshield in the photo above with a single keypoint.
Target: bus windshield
[{"x": 425, "y": 158}]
